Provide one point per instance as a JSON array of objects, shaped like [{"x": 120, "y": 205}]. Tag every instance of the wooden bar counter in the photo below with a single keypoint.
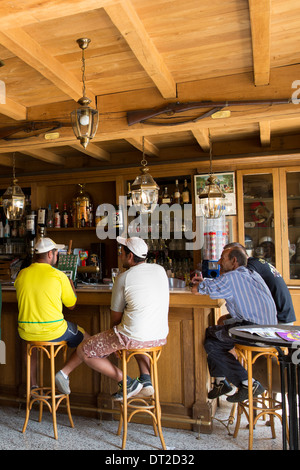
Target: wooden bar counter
[{"x": 183, "y": 375}]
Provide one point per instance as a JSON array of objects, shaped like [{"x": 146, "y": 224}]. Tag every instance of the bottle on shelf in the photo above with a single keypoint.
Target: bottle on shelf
[
  {"x": 22, "y": 228},
  {"x": 186, "y": 194},
  {"x": 129, "y": 196},
  {"x": 91, "y": 216},
  {"x": 57, "y": 217},
  {"x": 14, "y": 230},
  {"x": 177, "y": 195},
  {"x": 65, "y": 217},
  {"x": 50, "y": 218},
  {"x": 1, "y": 229},
  {"x": 31, "y": 230},
  {"x": 82, "y": 220},
  {"x": 41, "y": 217},
  {"x": 6, "y": 229},
  {"x": 166, "y": 198}
]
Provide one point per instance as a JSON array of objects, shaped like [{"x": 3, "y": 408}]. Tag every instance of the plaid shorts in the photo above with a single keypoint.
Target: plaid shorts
[{"x": 109, "y": 341}]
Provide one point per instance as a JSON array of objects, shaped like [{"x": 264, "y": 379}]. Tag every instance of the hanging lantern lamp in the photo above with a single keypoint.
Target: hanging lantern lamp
[
  {"x": 212, "y": 199},
  {"x": 13, "y": 199},
  {"x": 84, "y": 119},
  {"x": 144, "y": 190}
]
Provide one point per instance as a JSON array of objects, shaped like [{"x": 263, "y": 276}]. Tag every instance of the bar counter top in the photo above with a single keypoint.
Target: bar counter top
[{"x": 100, "y": 295}]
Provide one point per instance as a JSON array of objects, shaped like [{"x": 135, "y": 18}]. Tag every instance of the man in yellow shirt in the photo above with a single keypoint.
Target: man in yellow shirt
[{"x": 42, "y": 290}]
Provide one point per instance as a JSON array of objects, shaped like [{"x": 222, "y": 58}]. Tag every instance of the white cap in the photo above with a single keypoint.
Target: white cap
[
  {"x": 136, "y": 245},
  {"x": 46, "y": 244}
]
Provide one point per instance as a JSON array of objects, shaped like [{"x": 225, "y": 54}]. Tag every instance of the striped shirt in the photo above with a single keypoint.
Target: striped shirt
[{"x": 246, "y": 294}]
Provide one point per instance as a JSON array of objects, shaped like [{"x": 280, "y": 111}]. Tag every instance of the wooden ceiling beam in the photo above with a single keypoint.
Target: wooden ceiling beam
[
  {"x": 203, "y": 138},
  {"x": 260, "y": 20},
  {"x": 45, "y": 155},
  {"x": 126, "y": 20},
  {"x": 150, "y": 149},
  {"x": 13, "y": 110},
  {"x": 29, "y": 51},
  {"x": 93, "y": 151},
  {"x": 265, "y": 133}
]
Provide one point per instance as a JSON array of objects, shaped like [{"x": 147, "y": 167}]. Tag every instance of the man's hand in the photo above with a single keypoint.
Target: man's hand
[{"x": 195, "y": 282}]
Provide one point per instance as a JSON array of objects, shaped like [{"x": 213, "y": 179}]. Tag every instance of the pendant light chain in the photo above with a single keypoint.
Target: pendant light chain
[
  {"x": 14, "y": 167},
  {"x": 144, "y": 161},
  {"x": 83, "y": 73},
  {"x": 210, "y": 155}
]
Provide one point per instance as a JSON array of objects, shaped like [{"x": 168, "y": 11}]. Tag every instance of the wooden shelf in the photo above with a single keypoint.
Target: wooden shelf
[{"x": 71, "y": 229}]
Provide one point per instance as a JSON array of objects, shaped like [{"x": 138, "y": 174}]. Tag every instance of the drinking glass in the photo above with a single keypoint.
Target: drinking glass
[{"x": 114, "y": 273}]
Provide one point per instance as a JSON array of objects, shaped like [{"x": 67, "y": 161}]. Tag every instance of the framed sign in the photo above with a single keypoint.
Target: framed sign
[{"x": 226, "y": 182}]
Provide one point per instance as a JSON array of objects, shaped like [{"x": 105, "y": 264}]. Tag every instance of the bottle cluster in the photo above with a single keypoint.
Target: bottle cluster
[
  {"x": 175, "y": 267},
  {"x": 66, "y": 216},
  {"x": 180, "y": 195}
]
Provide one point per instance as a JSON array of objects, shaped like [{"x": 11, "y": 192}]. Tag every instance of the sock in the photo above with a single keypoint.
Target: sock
[
  {"x": 64, "y": 375},
  {"x": 245, "y": 382},
  {"x": 219, "y": 379},
  {"x": 145, "y": 377}
]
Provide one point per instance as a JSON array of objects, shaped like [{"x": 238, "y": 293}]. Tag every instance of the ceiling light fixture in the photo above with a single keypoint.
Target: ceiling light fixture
[
  {"x": 144, "y": 190},
  {"x": 13, "y": 199},
  {"x": 85, "y": 119},
  {"x": 212, "y": 199}
]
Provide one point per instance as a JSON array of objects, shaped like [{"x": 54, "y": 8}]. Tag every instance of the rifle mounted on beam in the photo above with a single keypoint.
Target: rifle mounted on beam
[{"x": 134, "y": 117}]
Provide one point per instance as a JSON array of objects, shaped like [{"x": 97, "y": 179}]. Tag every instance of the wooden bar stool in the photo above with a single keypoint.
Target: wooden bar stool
[
  {"x": 264, "y": 405},
  {"x": 139, "y": 404},
  {"x": 42, "y": 394}
]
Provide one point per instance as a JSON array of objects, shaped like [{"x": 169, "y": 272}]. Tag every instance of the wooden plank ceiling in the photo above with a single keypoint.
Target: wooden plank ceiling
[{"x": 145, "y": 54}]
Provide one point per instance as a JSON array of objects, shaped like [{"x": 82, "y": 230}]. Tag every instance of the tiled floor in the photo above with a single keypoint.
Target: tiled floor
[{"x": 91, "y": 434}]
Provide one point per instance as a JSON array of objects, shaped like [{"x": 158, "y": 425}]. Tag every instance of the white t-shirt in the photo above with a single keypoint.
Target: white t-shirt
[{"x": 142, "y": 294}]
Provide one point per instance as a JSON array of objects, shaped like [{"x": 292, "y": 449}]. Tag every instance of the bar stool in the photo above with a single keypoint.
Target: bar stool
[
  {"x": 265, "y": 405},
  {"x": 139, "y": 404},
  {"x": 42, "y": 394}
]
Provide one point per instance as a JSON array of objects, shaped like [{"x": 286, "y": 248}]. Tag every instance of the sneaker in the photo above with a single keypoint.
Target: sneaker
[
  {"x": 242, "y": 393},
  {"x": 133, "y": 389},
  {"x": 219, "y": 389},
  {"x": 62, "y": 383},
  {"x": 147, "y": 390}
]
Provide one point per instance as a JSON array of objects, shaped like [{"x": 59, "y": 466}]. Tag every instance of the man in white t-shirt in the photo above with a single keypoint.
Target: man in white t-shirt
[{"x": 139, "y": 318}]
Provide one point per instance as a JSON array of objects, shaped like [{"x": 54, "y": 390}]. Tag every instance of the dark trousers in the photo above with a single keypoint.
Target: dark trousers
[{"x": 221, "y": 362}]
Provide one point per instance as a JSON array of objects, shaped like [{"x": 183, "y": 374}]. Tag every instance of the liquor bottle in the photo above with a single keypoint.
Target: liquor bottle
[
  {"x": 177, "y": 195},
  {"x": 118, "y": 220},
  {"x": 6, "y": 229},
  {"x": 129, "y": 198},
  {"x": 82, "y": 220},
  {"x": 91, "y": 216},
  {"x": 30, "y": 225},
  {"x": 166, "y": 198},
  {"x": 50, "y": 219},
  {"x": 1, "y": 230},
  {"x": 65, "y": 217},
  {"x": 14, "y": 230},
  {"x": 41, "y": 218},
  {"x": 57, "y": 217},
  {"x": 186, "y": 194}
]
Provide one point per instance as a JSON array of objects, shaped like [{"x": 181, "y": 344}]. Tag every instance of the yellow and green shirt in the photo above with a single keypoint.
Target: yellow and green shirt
[{"x": 41, "y": 293}]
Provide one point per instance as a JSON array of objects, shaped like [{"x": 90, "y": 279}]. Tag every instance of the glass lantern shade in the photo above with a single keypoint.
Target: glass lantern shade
[
  {"x": 144, "y": 192},
  {"x": 84, "y": 123},
  {"x": 13, "y": 202},
  {"x": 212, "y": 200}
]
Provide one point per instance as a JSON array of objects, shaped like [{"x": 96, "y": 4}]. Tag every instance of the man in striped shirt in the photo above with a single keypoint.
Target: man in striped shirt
[{"x": 248, "y": 301}]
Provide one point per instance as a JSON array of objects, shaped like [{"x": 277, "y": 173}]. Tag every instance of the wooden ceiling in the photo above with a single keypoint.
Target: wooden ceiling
[{"x": 145, "y": 54}]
